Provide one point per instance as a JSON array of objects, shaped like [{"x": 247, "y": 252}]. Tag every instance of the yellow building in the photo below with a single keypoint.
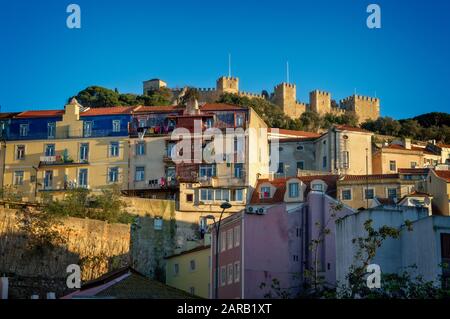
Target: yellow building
[
  {"x": 389, "y": 159},
  {"x": 438, "y": 185},
  {"x": 190, "y": 271},
  {"x": 72, "y": 158}
]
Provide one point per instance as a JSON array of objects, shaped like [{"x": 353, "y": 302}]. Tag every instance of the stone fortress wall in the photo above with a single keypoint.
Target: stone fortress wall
[{"x": 284, "y": 96}]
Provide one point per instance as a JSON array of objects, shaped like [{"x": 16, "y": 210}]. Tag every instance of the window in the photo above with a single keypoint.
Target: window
[
  {"x": 280, "y": 168},
  {"x": 229, "y": 238},
  {"x": 83, "y": 178},
  {"x": 113, "y": 175},
  {"x": 84, "y": 151},
  {"x": 192, "y": 290},
  {"x": 207, "y": 171},
  {"x": 50, "y": 150},
  {"x": 140, "y": 148},
  {"x": 368, "y": 193},
  {"x": 222, "y": 195},
  {"x": 239, "y": 120},
  {"x": 142, "y": 122},
  {"x": 176, "y": 269},
  {"x": 116, "y": 125},
  {"x": 413, "y": 164},
  {"x": 295, "y": 257},
  {"x": 237, "y": 236},
  {"x": 223, "y": 243},
  {"x": 209, "y": 123},
  {"x": 189, "y": 198},
  {"x": 237, "y": 271},
  {"x": 230, "y": 274},
  {"x": 48, "y": 179},
  {"x": 392, "y": 193},
  {"x": 293, "y": 190},
  {"x": 239, "y": 195},
  {"x": 297, "y": 232},
  {"x": 347, "y": 194},
  {"x": 346, "y": 159},
  {"x": 158, "y": 223},
  {"x": 301, "y": 165},
  {"x": 114, "y": 149},
  {"x": 317, "y": 187},
  {"x": 324, "y": 162},
  {"x": 192, "y": 265},
  {"x": 300, "y": 148},
  {"x": 24, "y": 128},
  {"x": 206, "y": 194},
  {"x": 139, "y": 175},
  {"x": 51, "y": 128},
  {"x": 18, "y": 177},
  {"x": 87, "y": 129},
  {"x": 392, "y": 166},
  {"x": 445, "y": 246},
  {"x": 20, "y": 152},
  {"x": 265, "y": 192},
  {"x": 238, "y": 170},
  {"x": 223, "y": 276}
]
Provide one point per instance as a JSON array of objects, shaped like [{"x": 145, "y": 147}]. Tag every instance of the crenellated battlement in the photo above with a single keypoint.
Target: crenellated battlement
[{"x": 285, "y": 97}]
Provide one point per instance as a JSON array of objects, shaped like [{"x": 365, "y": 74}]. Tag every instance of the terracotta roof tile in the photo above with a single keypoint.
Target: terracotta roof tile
[
  {"x": 351, "y": 128},
  {"x": 372, "y": 177},
  {"x": 40, "y": 113},
  {"x": 413, "y": 170},
  {"x": 220, "y": 107},
  {"x": 443, "y": 174},
  {"x": 280, "y": 185},
  {"x": 294, "y": 133},
  {"x": 108, "y": 110}
]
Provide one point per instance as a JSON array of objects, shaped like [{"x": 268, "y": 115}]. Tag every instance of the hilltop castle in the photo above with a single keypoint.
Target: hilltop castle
[{"x": 285, "y": 96}]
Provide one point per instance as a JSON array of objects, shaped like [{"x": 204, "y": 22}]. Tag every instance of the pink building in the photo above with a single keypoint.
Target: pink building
[{"x": 264, "y": 250}]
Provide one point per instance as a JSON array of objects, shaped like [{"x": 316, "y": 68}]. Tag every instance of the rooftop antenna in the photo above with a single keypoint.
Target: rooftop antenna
[
  {"x": 229, "y": 65},
  {"x": 287, "y": 72},
  {"x": 355, "y": 91}
]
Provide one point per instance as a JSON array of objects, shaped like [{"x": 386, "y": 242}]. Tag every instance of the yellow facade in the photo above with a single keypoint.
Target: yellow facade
[
  {"x": 34, "y": 168},
  {"x": 190, "y": 271}
]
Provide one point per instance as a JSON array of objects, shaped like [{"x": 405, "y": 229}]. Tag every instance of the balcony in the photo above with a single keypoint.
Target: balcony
[{"x": 59, "y": 161}]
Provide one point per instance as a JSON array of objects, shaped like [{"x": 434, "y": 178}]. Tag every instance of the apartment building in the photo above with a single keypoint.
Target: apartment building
[
  {"x": 438, "y": 185},
  {"x": 340, "y": 150},
  {"x": 49, "y": 152}
]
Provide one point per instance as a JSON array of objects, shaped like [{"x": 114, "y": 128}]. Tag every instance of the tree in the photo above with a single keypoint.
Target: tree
[
  {"x": 189, "y": 95},
  {"x": 310, "y": 121},
  {"x": 97, "y": 96}
]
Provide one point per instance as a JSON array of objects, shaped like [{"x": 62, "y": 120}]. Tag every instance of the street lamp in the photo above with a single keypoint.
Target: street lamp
[{"x": 224, "y": 205}]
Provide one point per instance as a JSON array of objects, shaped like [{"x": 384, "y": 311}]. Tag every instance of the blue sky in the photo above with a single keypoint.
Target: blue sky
[{"x": 327, "y": 43}]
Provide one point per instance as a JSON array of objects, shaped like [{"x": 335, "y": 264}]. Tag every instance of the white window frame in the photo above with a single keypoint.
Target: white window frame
[
  {"x": 345, "y": 190},
  {"x": 390, "y": 165},
  {"x": 241, "y": 192},
  {"x": 237, "y": 235},
  {"x": 16, "y": 181},
  {"x": 292, "y": 192},
  {"x": 223, "y": 275},
  {"x": 84, "y": 155},
  {"x": 141, "y": 171},
  {"x": 86, "y": 185},
  {"x": 262, "y": 192},
  {"x": 24, "y": 129},
  {"x": 110, "y": 169},
  {"x": 365, "y": 189},
  {"x": 192, "y": 265},
  {"x": 22, "y": 157},
  {"x": 210, "y": 195},
  {"x": 51, "y": 125},
  {"x": 140, "y": 148},
  {"x": 230, "y": 275},
  {"x": 112, "y": 146},
  {"x": 116, "y": 126},
  {"x": 230, "y": 238},
  {"x": 237, "y": 271}
]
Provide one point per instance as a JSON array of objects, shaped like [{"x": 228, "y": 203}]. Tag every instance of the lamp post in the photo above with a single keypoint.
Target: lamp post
[{"x": 224, "y": 206}]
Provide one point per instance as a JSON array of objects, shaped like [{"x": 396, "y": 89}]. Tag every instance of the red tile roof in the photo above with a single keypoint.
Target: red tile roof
[
  {"x": 351, "y": 128},
  {"x": 198, "y": 248},
  {"x": 442, "y": 145},
  {"x": 40, "y": 113},
  {"x": 413, "y": 148},
  {"x": 296, "y": 139},
  {"x": 420, "y": 171},
  {"x": 220, "y": 107},
  {"x": 280, "y": 185},
  {"x": 294, "y": 133},
  {"x": 444, "y": 175},
  {"x": 157, "y": 108},
  {"x": 108, "y": 110},
  {"x": 372, "y": 177}
]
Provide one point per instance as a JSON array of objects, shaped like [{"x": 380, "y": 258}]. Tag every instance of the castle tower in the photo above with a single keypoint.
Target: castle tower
[
  {"x": 320, "y": 102},
  {"x": 364, "y": 107},
  {"x": 153, "y": 85},
  {"x": 227, "y": 84},
  {"x": 285, "y": 96}
]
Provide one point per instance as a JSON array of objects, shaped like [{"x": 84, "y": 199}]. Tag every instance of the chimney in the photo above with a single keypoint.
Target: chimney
[
  {"x": 4, "y": 287},
  {"x": 407, "y": 143}
]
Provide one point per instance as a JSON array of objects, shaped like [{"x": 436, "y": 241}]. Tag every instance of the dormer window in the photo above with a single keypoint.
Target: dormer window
[
  {"x": 265, "y": 192},
  {"x": 317, "y": 187},
  {"x": 293, "y": 190}
]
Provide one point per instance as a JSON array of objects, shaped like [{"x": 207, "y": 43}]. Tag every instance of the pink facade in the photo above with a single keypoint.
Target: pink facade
[{"x": 275, "y": 245}]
